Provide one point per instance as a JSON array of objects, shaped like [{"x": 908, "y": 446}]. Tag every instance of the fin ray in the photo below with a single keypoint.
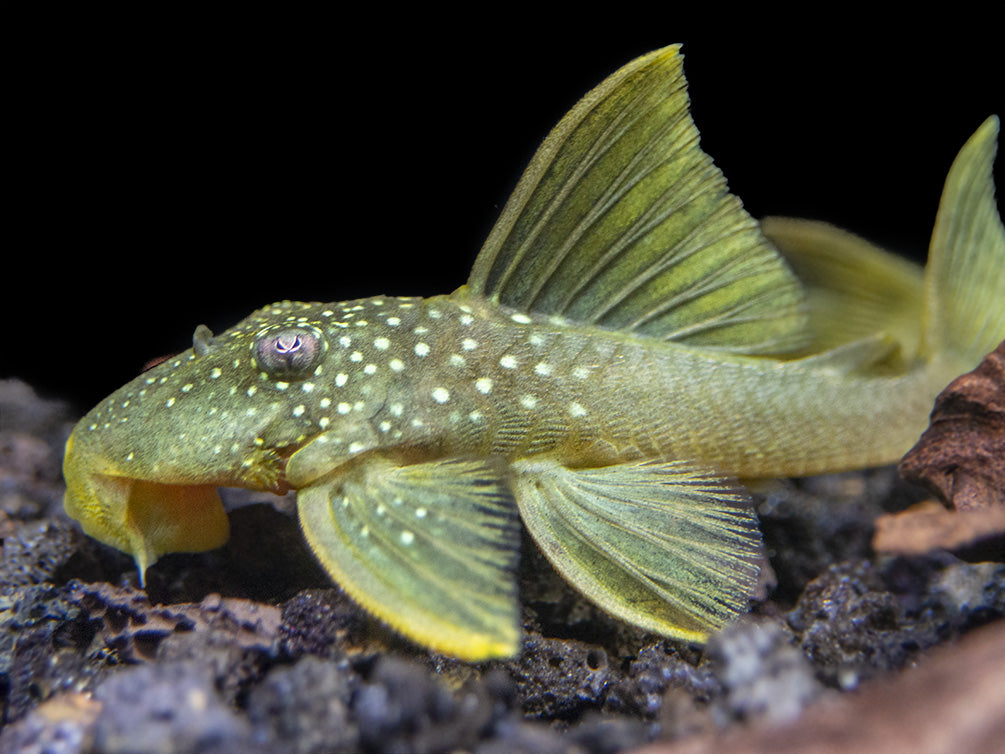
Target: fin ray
[
  {"x": 854, "y": 289},
  {"x": 620, "y": 211},
  {"x": 429, "y": 548},
  {"x": 965, "y": 289},
  {"x": 667, "y": 546}
]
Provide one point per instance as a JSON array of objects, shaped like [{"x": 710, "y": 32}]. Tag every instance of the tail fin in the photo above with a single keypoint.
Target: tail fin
[{"x": 964, "y": 313}]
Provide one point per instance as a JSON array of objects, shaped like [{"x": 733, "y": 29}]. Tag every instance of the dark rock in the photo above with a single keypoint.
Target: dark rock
[
  {"x": 45, "y": 648},
  {"x": 655, "y": 669},
  {"x": 762, "y": 672},
  {"x": 560, "y": 679},
  {"x": 811, "y": 523},
  {"x": 305, "y": 707},
  {"x": 324, "y": 622},
  {"x": 608, "y": 734},
  {"x": 169, "y": 708},
  {"x": 34, "y": 552},
  {"x": 23, "y": 410},
  {"x": 858, "y": 619},
  {"x": 61, "y": 725},
  {"x": 401, "y": 708}
]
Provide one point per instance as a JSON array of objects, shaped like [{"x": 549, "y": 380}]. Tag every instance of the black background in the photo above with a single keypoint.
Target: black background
[{"x": 163, "y": 171}]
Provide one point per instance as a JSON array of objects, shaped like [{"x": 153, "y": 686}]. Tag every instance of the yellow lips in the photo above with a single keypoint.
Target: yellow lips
[{"x": 143, "y": 518}]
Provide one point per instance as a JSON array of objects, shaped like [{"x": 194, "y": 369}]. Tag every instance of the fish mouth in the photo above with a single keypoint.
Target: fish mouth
[{"x": 150, "y": 518}]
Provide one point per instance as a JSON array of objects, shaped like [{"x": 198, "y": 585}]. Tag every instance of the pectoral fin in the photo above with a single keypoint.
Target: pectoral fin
[
  {"x": 666, "y": 546},
  {"x": 430, "y": 548}
]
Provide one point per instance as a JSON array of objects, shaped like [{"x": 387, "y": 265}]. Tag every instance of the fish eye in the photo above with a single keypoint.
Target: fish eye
[{"x": 289, "y": 353}]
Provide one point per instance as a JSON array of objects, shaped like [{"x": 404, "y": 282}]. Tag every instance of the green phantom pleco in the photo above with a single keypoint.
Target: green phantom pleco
[{"x": 628, "y": 343}]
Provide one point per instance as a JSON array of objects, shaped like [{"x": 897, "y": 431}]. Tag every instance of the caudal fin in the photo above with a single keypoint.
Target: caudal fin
[{"x": 964, "y": 311}]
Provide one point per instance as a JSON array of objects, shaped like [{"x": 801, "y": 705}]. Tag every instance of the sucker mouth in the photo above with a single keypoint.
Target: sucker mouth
[{"x": 146, "y": 519}]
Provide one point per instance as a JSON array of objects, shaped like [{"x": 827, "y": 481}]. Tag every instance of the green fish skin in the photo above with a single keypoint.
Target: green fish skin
[{"x": 629, "y": 343}]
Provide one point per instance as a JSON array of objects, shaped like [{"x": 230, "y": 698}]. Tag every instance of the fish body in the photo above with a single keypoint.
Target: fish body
[{"x": 628, "y": 343}]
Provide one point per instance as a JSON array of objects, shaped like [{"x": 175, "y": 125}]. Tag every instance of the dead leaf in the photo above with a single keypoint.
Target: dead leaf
[
  {"x": 961, "y": 456},
  {"x": 929, "y": 526}
]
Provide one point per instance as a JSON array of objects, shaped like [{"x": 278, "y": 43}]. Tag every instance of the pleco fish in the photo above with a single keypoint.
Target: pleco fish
[{"x": 628, "y": 343}]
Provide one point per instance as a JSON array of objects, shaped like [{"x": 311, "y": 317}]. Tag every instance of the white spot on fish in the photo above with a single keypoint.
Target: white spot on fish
[
  {"x": 469, "y": 344},
  {"x": 341, "y": 379},
  {"x": 381, "y": 344},
  {"x": 508, "y": 362},
  {"x": 484, "y": 385},
  {"x": 521, "y": 319},
  {"x": 528, "y": 401},
  {"x": 407, "y": 538},
  {"x": 299, "y": 410},
  {"x": 215, "y": 373},
  {"x": 421, "y": 349},
  {"x": 343, "y": 408},
  {"x": 397, "y": 365},
  {"x": 543, "y": 369},
  {"x": 441, "y": 395},
  {"x": 170, "y": 402},
  {"x": 580, "y": 373},
  {"x": 576, "y": 409}
]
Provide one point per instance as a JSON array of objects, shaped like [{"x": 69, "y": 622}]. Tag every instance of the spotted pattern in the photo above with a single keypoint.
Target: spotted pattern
[{"x": 391, "y": 371}]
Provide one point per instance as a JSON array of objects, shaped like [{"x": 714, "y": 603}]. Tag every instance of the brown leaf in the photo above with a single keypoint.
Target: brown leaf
[
  {"x": 961, "y": 456},
  {"x": 929, "y": 526}
]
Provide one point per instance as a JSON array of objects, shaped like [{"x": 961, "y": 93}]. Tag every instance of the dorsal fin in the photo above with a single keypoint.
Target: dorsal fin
[{"x": 621, "y": 221}]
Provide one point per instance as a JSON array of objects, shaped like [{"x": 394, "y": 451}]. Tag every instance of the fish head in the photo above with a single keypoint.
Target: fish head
[{"x": 142, "y": 468}]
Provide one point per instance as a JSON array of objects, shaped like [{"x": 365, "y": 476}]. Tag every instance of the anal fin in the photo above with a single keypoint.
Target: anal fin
[{"x": 667, "y": 546}]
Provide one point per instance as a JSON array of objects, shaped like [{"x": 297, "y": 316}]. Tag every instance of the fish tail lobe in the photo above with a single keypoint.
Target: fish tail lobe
[{"x": 964, "y": 310}]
